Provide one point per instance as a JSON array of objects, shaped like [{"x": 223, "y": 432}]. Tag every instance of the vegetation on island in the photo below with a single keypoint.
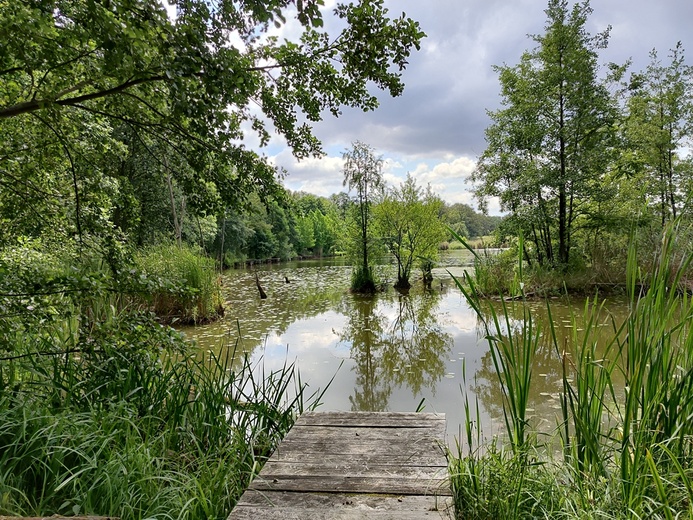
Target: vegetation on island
[
  {"x": 410, "y": 226},
  {"x": 362, "y": 173}
]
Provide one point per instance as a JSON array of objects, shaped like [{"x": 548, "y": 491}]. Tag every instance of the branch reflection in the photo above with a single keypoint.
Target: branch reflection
[{"x": 395, "y": 341}]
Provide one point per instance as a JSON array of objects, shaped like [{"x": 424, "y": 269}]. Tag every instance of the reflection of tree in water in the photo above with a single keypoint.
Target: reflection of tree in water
[
  {"x": 408, "y": 349},
  {"x": 546, "y": 380},
  {"x": 365, "y": 329}
]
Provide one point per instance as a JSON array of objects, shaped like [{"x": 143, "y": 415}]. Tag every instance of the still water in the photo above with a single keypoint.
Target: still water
[{"x": 388, "y": 352}]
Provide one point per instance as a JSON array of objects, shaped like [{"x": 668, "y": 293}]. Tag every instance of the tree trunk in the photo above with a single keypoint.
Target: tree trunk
[
  {"x": 670, "y": 174},
  {"x": 562, "y": 195},
  {"x": 177, "y": 219}
]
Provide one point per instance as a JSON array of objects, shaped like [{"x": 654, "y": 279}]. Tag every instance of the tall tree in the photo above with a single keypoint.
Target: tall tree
[
  {"x": 410, "y": 226},
  {"x": 363, "y": 172},
  {"x": 76, "y": 74},
  {"x": 659, "y": 126},
  {"x": 548, "y": 147}
]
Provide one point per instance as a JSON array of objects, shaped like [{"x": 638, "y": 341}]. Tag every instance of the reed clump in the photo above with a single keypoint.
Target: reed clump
[
  {"x": 180, "y": 284},
  {"x": 625, "y": 427}
]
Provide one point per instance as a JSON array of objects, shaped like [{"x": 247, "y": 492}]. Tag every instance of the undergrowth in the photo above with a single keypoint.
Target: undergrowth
[{"x": 104, "y": 411}]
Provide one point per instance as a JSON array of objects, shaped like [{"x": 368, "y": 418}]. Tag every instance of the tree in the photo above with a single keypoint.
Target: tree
[
  {"x": 659, "y": 125},
  {"x": 549, "y": 146},
  {"x": 77, "y": 75},
  {"x": 363, "y": 173},
  {"x": 409, "y": 225},
  {"x": 466, "y": 222}
]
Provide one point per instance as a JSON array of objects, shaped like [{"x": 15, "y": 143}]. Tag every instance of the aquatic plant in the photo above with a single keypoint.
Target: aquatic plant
[{"x": 623, "y": 455}]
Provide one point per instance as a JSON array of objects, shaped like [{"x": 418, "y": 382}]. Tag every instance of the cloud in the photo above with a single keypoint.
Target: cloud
[
  {"x": 320, "y": 176},
  {"x": 435, "y": 129}
]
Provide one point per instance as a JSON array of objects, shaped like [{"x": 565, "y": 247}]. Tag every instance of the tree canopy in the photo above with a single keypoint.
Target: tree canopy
[
  {"x": 87, "y": 86},
  {"x": 363, "y": 173},
  {"x": 410, "y": 226},
  {"x": 549, "y": 145}
]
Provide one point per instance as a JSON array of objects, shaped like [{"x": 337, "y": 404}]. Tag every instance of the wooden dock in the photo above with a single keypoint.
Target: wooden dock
[{"x": 354, "y": 465}]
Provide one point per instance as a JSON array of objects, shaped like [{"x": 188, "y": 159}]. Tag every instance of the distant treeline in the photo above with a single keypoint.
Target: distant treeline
[{"x": 297, "y": 224}]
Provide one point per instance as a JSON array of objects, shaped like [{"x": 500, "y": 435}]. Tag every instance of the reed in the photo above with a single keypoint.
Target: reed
[
  {"x": 179, "y": 283},
  {"x": 128, "y": 422},
  {"x": 626, "y": 454}
]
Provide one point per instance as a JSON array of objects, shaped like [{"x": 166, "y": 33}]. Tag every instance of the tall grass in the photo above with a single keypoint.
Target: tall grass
[
  {"x": 182, "y": 285},
  {"x": 104, "y": 411},
  {"x": 113, "y": 428},
  {"x": 626, "y": 453}
]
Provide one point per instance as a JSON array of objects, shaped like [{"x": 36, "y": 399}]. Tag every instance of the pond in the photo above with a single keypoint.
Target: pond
[{"x": 387, "y": 352}]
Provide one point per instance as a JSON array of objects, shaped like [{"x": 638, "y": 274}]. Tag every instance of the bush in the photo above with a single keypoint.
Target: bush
[{"x": 494, "y": 273}]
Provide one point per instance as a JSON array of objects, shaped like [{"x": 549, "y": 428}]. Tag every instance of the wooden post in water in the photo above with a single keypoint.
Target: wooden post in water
[{"x": 263, "y": 294}]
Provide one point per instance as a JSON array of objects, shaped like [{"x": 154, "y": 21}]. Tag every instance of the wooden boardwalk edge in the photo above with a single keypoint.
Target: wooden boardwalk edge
[{"x": 353, "y": 465}]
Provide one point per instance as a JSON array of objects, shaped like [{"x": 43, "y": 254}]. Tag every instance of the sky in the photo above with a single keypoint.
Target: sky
[{"x": 435, "y": 129}]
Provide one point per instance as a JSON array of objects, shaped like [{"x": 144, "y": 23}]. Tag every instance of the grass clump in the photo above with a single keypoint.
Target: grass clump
[
  {"x": 183, "y": 284},
  {"x": 623, "y": 453},
  {"x": 363, "y": 280}
]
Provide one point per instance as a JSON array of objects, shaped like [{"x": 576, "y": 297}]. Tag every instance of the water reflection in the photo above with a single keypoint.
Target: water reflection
[
  {"x": 395, "y": 340},
  {"x": 568, "y": 322},
  {"x": 394, "y": 349}
]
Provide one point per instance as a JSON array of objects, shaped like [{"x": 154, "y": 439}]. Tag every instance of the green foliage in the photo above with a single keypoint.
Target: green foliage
[
  {"x": 189, "y": 289},
  {"x": 494, "y": 272},
  {"x": 297, "y": 224},
  {"x": 363, "y": 280},
  {"x": 624, "y": 455},
  {"x": 104, "y": 411},
  {"x": 548, "y": 147},
  {"x": 494, "y": 483},
  {"x": 581, "y": 160},
  {"x": 129, "y": 423},
  {"x": 127, "y": 119},
  {"x": 466, "y": 222},
  {"x": 659, "y": 114},
  {"x": 408, "y": 223},
  {"x": 362, "y": 173}
]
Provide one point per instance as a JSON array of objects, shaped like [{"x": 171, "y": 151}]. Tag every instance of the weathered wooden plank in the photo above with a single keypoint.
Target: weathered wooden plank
[
  {"x": 348, "y": 448},
  {"x": 421, "y": 458},
  {"x": 332, "y": 506},
  {"x": 287, "y": 499},
  {"x": 346, "y": 466},
  {"x": 364, "y": 433},
  {"x": 349, "y": 484},
  {"x": 337, "y": 444},
  {"x": 367, "y": 419},
  {"x": 243, "y": 513},
  {"x": 356, "y": 469}
]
